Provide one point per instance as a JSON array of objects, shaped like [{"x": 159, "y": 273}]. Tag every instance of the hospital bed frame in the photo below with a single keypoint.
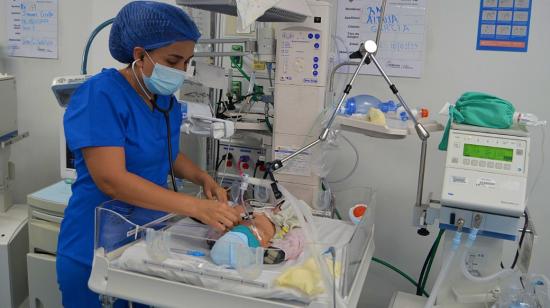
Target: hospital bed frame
[{"x": 111, "y": 283}]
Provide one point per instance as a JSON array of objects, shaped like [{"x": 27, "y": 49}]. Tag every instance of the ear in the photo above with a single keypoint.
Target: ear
[{"x": 139, "y": 54}]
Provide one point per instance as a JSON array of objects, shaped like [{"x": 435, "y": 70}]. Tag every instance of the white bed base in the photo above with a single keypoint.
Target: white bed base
[{"x": 112, "y": 282}]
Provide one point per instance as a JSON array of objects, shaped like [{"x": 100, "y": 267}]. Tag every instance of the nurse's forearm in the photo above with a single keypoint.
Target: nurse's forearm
[
  {"x": 185, "y": 168},
  {"x": 136, "y": 190},
  {"x": 107, "y": 168}
]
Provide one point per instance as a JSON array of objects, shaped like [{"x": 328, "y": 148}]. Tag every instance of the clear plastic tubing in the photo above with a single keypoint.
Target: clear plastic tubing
[
  {"x": 444, "y": 270},
  {"x": 471, "y": 239},
  {"x": 527, "y": 119}
]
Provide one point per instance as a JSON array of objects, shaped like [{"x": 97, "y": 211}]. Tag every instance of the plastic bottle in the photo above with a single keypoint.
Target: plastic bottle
[
  {"x": 527, "y": 119},
  {"x": 359, "y": 104},
  {"x": 401, "y": 114}
]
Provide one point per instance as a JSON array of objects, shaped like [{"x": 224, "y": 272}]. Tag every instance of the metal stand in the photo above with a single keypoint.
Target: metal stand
[
  {"x": 367, "y": 53},
  {"x": 107, "y": 301},
  {"x": 278, "y": 163}
]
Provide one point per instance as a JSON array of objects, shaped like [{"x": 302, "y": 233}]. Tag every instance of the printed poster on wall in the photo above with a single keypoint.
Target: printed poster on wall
[
  {"x": 403, "y": 40},
  {"x": 32, "y": 28},
  {"x": 504, "y": 25}
]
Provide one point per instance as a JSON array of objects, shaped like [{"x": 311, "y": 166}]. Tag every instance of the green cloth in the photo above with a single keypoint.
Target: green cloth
[{"x": 479, "y": 109}]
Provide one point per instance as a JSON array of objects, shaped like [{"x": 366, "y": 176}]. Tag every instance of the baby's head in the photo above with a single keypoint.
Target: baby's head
[
  {"x": 260, "y": 225},
  {"x": 249, "y": 234},
  {"x": 238, "y": 244}
]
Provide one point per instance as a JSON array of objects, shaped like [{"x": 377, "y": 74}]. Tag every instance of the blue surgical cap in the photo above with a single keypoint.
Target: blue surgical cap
[{"x": 151, "y": 25}]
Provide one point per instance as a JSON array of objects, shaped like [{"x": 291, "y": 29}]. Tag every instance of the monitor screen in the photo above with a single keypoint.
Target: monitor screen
[{"x": 487, "y": 152}]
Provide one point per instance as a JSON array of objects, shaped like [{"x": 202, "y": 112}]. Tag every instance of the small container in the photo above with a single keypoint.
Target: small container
[
  {"x": 401, "y": 114},
  {"x": 356, "y": 212}
]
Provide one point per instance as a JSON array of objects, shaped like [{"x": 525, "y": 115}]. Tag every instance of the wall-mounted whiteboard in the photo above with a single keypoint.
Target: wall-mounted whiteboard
[
  {"x": 403, "y": 42},
  {"x": 32, "y": 28}
]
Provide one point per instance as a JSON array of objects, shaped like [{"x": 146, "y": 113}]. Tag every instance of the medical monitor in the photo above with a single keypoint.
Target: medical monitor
[
  {"x": 66, "y": 158},
  {"x": 63, "y": 88}
]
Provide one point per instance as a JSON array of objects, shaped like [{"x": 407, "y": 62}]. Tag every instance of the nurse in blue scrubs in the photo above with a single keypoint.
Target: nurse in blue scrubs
[{"x": 116, "y": 125}]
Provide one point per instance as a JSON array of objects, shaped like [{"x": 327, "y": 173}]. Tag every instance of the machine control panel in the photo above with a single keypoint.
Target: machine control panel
[
  {"x": 303, "y": 49},
  {"x": 486, "y": 172},
  {"x": 301, "y": 56},
  {"x": 505, "y": 155}
]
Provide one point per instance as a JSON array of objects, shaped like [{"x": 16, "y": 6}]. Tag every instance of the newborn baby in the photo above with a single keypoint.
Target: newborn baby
[{"x": 276, "y": 230}]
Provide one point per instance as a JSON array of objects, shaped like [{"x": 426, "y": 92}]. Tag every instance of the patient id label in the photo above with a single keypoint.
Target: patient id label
[
  {"x": 299, "y": 165},
  {"x": 458, "y": 179},
  {"x": 486, "y": 183}
]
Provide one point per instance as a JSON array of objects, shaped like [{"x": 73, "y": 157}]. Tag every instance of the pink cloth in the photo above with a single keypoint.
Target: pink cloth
[{"x": 292, "y": 244}]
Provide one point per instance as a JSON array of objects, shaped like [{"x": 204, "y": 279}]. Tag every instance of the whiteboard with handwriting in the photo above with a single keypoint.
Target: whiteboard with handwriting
[
  {"x": 402, "y": 44},
  {"x": 32, "y": 28}
]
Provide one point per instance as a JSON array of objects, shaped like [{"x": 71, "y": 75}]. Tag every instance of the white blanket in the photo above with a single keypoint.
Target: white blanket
[{"x": 185, "y": 268}]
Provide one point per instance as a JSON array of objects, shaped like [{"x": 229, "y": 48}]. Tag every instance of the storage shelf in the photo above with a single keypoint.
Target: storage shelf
[{"x": 394, "y": 129}]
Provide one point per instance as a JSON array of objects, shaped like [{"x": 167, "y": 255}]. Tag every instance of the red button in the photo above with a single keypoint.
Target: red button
[
  {"x": 229, "y": 164},
  {"x": 245, "y": 166}
]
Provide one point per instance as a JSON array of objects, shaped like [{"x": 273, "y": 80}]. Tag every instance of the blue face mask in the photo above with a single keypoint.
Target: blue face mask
[{"x": 164, "y": 80}]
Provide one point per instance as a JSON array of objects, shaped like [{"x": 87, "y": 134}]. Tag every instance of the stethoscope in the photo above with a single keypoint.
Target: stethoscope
[{"x": 166, "y": 113}]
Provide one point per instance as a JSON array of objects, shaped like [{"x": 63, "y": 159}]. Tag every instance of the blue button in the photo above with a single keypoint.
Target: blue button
[
  {"x": 310, "y": 36},
  {"x": 315, "y": 66},
  {"x": 317, "y": 36},
  {"x": 315, "y": 59},
  {"x": 315, "y": 73},
  {"x": 316, "y": 45}
]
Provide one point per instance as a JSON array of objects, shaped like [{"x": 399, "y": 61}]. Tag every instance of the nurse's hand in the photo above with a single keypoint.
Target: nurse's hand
[
  {"x": 217, "y": 214},
  {"x": 212, "y": 190}
]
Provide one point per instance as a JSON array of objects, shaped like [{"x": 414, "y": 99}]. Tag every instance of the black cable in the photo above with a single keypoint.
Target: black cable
[
  {"x": 520, "y": 243},
  {"x": 217, "y": 153},
  {"x": 227, "y": 156},
  {"x": 421, "y": 277},
  {"x": 220, "y": 162},
  {"x": 430, "y": 256},
  {"x": 255, "y": 169},
  {"x": 521, "y": 238},
  {"x": 220, "y": 108}
]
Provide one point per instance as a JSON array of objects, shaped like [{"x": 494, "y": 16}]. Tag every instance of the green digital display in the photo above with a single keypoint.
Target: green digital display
[{"x": 486, "y": 152}]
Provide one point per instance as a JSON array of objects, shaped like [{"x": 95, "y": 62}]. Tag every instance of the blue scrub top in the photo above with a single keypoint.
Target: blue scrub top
[{"x": 107, "y": 111}]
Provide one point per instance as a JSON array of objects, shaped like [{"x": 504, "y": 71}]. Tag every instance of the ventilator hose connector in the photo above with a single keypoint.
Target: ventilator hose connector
[{"x": 469, "y": 243}]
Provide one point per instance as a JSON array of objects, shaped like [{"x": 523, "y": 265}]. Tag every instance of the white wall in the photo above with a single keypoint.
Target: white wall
[
  {"x": 452, "y": 67},
  {"x": 37, "y": 157}
]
